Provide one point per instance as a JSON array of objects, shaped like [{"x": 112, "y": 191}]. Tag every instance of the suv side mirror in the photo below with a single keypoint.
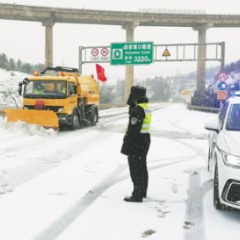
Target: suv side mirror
[{"x": 212, "y": 126}]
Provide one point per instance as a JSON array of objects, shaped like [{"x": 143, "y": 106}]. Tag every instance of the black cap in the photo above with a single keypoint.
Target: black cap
[{"x": 136, "y": 92}]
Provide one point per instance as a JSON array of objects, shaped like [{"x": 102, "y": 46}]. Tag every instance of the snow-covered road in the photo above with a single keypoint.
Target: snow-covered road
[{"x": 70, "y": 185}]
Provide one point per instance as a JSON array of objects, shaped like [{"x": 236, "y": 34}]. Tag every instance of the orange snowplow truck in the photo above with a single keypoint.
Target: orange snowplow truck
[{"x": 56, "y": 97}]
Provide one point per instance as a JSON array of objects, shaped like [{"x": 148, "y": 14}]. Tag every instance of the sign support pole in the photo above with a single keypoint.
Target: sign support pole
[
  {"x": 222, "y": 56},
  {"x": 80, "y": 60},
  {"x": 129, "y": 70}
]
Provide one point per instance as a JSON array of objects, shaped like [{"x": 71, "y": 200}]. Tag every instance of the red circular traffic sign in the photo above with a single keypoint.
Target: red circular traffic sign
[
  {"x": 222, "y": 76},
  {"x": 104, "y": 52},
  {"x": 94, "y": 52}
]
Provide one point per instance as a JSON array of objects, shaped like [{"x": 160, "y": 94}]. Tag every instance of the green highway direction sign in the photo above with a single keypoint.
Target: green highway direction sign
[{"x": 131, "y": 53}]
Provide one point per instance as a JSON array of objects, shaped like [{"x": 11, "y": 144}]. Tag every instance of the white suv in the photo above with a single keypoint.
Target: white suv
[{"x": 224, "y": 154}]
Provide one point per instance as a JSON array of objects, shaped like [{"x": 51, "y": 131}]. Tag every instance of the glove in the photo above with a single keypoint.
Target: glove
[{"x": 126, "y": 147}]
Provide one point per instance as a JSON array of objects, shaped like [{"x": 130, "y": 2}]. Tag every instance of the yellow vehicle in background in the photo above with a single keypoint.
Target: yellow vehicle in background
[
  {"x": 57, "y": 97},
  {"x": 187, "y": 95}
]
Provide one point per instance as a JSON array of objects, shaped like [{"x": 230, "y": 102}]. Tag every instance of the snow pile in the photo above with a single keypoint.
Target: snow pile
[{"x": 29, "y": 129}]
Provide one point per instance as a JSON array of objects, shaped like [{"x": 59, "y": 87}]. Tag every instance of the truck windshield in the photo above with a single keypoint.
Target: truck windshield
[{"x": 45, "y": 89}]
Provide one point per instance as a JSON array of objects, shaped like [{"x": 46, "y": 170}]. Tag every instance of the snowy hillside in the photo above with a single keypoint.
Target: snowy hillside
[{"x": 9, "y": 88}]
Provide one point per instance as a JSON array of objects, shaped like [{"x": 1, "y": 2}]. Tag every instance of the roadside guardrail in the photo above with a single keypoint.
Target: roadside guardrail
[
  {"x": 100, "y": 107},
  {"x": 189, "y": 106},
  {"x": 108, "y": 106},
  {"x": 203, "y": 108}
]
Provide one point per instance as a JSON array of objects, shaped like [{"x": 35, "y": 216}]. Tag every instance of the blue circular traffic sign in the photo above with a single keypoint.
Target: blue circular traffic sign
[{"x": 222, "y": 86}]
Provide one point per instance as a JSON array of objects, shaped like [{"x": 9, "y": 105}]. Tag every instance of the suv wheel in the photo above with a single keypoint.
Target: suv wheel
[
  {"x": 209, "y": 159},
  {"x": 216, "y": 201}
]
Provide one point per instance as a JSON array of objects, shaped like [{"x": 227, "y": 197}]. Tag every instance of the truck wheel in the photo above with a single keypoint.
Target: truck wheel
[
  {"x": 75, "y": 121},
  {"x": 94, "y": 118}
]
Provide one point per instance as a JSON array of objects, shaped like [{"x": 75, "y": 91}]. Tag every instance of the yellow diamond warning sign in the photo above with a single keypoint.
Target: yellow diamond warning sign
[{"x": 166, "y": 53}]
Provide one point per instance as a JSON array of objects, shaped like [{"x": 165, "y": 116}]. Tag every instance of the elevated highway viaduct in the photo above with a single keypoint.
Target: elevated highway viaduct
[{"x": 49, "y": 16}]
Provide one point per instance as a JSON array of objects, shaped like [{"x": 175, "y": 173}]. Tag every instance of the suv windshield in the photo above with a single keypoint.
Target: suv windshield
[
  {"x": 45, "y": 89},
  {"x": 233, "y": 121}
]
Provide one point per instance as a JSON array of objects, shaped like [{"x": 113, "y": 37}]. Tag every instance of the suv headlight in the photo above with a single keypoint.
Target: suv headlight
[{"x": 231, "y": 160}]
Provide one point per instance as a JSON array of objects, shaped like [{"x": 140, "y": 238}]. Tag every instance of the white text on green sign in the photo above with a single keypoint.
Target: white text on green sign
[{"x": 131, "y": 53}]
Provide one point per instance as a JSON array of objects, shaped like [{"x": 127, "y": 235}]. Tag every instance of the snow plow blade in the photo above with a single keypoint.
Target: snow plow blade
[{"x": 47, "y": 119}]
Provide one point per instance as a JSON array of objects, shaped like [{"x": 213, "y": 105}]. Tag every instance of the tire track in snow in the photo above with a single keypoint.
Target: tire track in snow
[
  {"x": 57, "y": 227},
  {"x": 194, "y": 217},
  {"x": 194, "y": 220},
  {"x": 63, "y": 222},
  {"x": 24, "y": 168}
]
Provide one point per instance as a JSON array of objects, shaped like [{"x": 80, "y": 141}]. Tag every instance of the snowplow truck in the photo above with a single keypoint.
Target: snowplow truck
[{"x": 56, "y": 97}]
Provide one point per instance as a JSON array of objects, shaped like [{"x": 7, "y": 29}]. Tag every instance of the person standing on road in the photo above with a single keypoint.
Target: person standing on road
[
  {"x": 39, "y": 89},
  {"x": 62, "y": 88},
  {"x": 136, "y": 142}
]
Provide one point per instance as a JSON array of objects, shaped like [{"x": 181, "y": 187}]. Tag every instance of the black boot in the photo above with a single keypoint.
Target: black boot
[
  {"x": 132, "y": 199},
  {"x": 144, "y": 195}
]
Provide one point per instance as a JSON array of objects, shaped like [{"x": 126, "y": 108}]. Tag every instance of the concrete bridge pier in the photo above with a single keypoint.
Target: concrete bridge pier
[
  {"x": 201, "y": 63},
  {"x": 129, "y": 70},
  {"x": 48, "y": 24}
]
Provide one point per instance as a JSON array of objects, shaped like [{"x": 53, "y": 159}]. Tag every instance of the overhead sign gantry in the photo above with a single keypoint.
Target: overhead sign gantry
[{"x": 136, "y": 53}]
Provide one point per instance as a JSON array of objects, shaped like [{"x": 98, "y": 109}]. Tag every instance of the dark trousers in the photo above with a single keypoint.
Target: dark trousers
[{"x": 139, "y": 175}]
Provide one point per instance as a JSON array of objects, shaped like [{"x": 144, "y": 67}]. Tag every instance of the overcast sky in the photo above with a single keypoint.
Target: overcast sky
[{"x": 25, "y": 40}]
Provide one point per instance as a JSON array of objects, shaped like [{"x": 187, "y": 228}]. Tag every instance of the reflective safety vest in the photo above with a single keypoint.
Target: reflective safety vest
[
  {"x": 63, "y": 90},
  {"x": 148, "y": 118},
  {"x": 38, "y": 91}
]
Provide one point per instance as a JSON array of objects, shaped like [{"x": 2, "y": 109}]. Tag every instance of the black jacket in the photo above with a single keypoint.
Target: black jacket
[{"x": 134, "y": 142}]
